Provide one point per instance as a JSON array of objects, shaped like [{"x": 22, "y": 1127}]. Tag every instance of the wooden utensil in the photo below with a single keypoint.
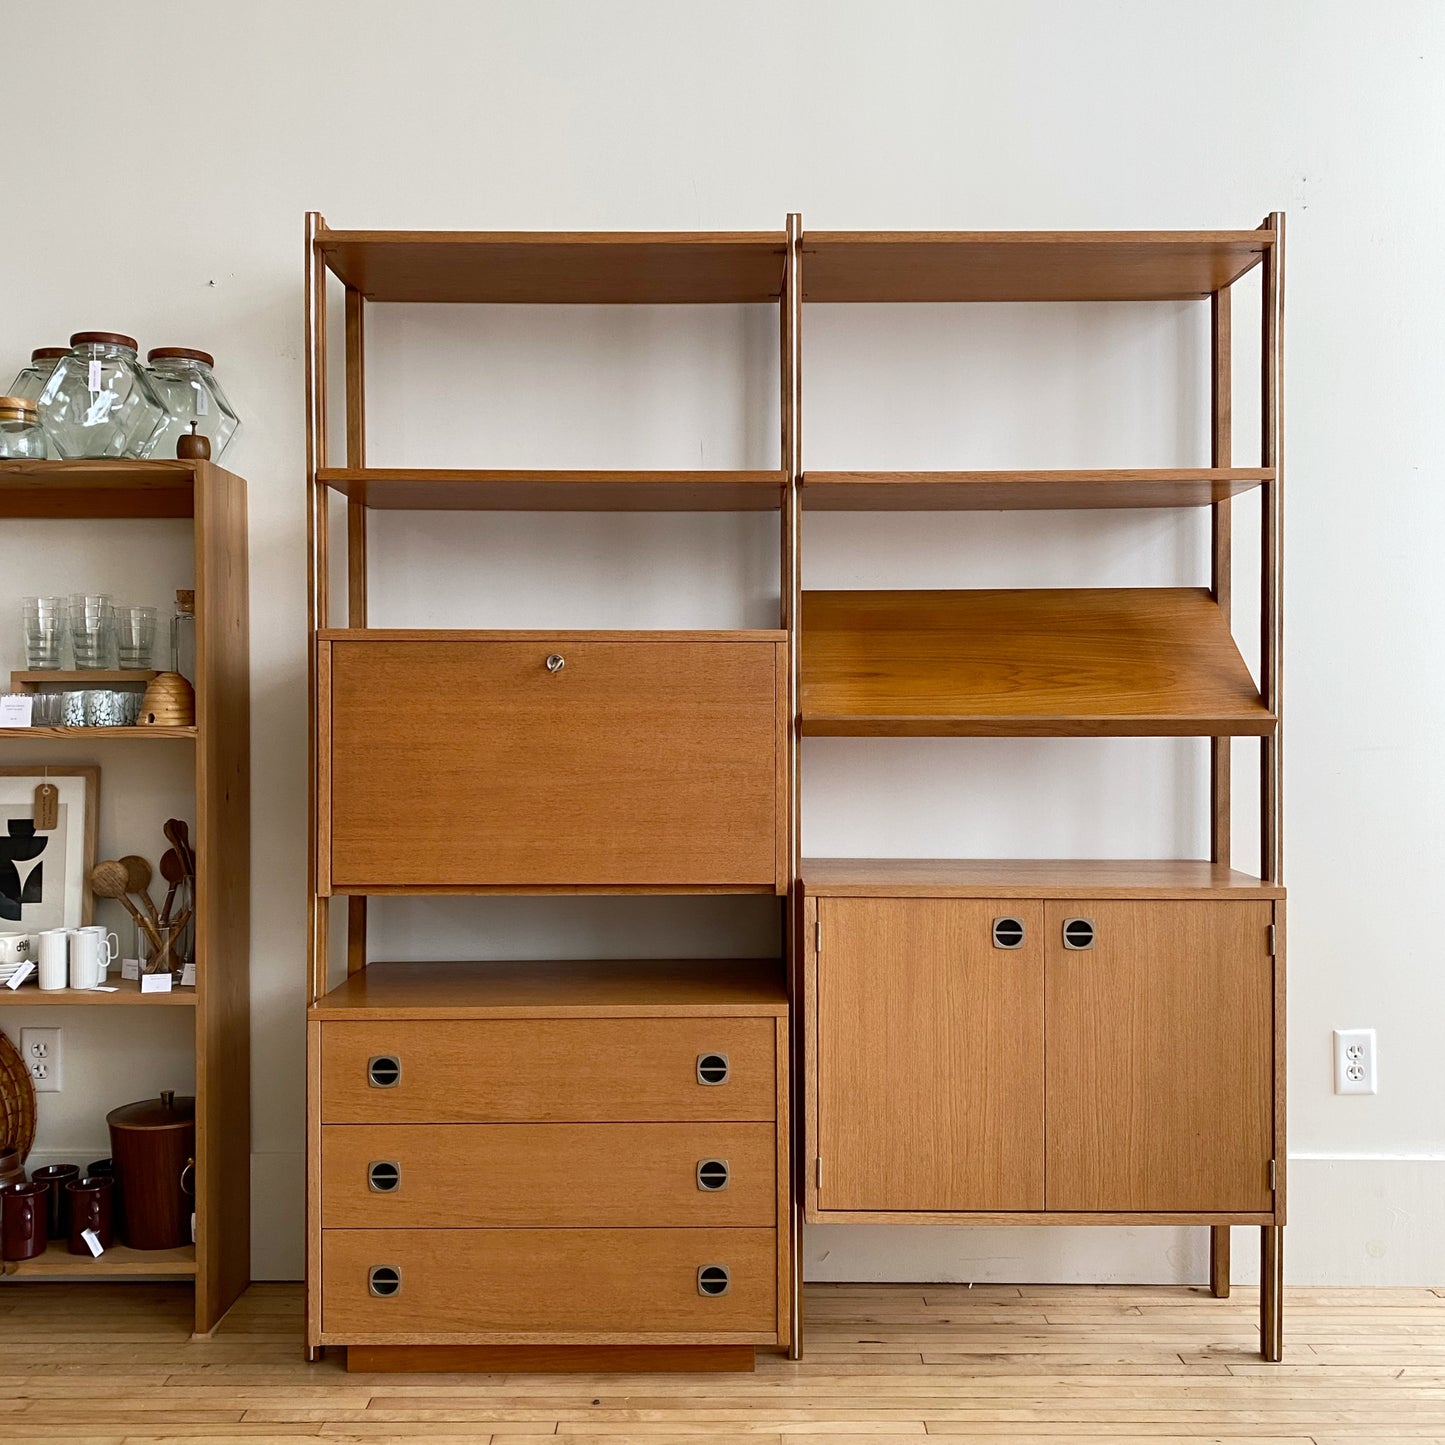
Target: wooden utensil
[
  {"x": 138, "y": 875},
  {"x": 179, "y": 836},
  {"x": 173, "y": 870},
  {"x": 110, "y": 880}
]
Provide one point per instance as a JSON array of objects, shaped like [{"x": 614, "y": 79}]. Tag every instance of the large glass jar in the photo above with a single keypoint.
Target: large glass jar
[
  {"x": 20, "y": 433},
  {"x": 31, "y": 381},
  {"x": 99, "y": 402},
  {"x": 186, "y": 382}
]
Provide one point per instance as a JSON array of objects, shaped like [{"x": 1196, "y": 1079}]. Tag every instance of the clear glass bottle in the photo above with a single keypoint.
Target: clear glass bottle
[
  {"x": 20, "y": 432},
  {"x": 31, "y": 380},
  {"x": 186, "y": 382},
  {"x": 183, "y": 636},
  {"x": 99, "y": 402}
]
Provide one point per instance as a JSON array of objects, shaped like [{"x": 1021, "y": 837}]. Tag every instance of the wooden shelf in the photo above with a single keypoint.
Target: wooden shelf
[
  {"x": 1025, "y": 265},
  {"x": 1110, "y": 662},
  {"x": 118, "y": 1261},
  {"x": 443, "y": 634},
  {"x": 431, "y": 490},
  {"x": 540, "y": 267},
  {"x": 112, "y": 490},
  {"x": 1008, "y": 491},
  {"x": 1030, "y": 878},
  {"x": 584, "y": 988},
  {"x": 155, "y": 732},
  {"x": 127, "y": 995},
  {"x": 25, "y": 681}
]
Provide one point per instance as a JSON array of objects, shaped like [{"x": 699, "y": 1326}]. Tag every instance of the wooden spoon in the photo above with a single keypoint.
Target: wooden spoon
[
  {"x": 138, "y": 877},
  {"x": 178, "y": 835},
  {"x": 173, "y": 870},
  {"x": 110, "y": 880}
]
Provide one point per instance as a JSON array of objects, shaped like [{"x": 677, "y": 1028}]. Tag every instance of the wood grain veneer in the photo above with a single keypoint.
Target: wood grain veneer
[
  {"x": 1105, "y": 662},
  {"x": 100, "y": 489}
]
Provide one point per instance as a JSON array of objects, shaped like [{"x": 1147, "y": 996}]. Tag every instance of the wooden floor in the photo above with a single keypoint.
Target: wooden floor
[{"x": 1024, "y": 1365}]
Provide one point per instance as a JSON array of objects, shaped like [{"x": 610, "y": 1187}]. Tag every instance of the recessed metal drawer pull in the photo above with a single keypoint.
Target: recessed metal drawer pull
[
  {"x": 384, "y": 1280},
  {"x": 556, "y": 662},
  {"x": 713, "y": 1279},
  {"x": 1008, "y": 933},
  {"x": 1078, "y": 933},
  {"x": 712, "y": 1175},
  {"x": 383, "y": 1071},
  {"x": 383, "y": 1176},
  {"x": 712, "y": 1068}
]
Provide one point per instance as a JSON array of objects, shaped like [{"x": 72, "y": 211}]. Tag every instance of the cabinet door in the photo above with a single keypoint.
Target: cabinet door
[
  {"x": 930, "y": 1056},
  {"x": 1160, "y": 1057},
  {"x": 472, "y": 762}
]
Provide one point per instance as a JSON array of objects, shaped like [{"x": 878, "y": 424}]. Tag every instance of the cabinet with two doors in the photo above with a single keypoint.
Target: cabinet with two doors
[{"x": 1041, "y": 1055}]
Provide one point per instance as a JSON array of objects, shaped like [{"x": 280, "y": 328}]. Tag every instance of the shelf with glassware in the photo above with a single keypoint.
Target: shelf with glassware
[{"x": 217, "y": 761}]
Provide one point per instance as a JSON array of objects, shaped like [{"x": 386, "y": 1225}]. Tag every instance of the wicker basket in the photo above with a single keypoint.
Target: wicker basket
[{"x": 17, "y": 1101}]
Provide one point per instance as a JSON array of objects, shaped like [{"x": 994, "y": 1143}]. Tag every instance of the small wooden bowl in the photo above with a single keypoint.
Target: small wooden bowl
[{"x": 170, "y": 701}]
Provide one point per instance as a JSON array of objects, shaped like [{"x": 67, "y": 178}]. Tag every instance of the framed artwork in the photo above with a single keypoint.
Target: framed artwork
[{"x": 45, "y": 874}]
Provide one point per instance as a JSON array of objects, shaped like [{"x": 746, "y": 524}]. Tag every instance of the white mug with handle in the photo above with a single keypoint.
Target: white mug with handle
[
  {"x": 109, "y": 947},
  {"x": 88, "y": 951},
  {"x": 54, "y": 954}
]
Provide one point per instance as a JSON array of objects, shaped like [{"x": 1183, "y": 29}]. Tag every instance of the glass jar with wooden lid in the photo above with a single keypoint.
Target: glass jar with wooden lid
[
  {"x": 21, "y": 436},
  {"x": 186, "y": 382},
  {"x": 99, "y": 402},
  {"x": 33, "y": 378}
]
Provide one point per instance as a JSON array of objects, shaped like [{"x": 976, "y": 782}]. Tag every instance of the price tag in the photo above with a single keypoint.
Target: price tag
[
  {"x": 130, "y": 968},
  {"x": 155, "y": 983},
  {"x": 47, "y": 808},
  {"x": 20, "y": 975},
  {"x": 203, "y": 400},
  {"x": 188, "y": 975},
  {"x": 15, "y": 710},
  {"x": 93, "y": 383},
  {"x": 105, "y": 988},
  {"x": 92, "y": 1240}
]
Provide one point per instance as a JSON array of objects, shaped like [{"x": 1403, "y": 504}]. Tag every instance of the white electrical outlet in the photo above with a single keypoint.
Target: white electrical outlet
[
  {"x": 40, "y": 1048},
  {"x": 1355, "y": 1062}
]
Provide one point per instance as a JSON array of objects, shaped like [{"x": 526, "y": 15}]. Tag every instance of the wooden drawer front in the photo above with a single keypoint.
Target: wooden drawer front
[
  {"x": 548, "y": 1175},
  {"x": 567, "y": 1070},
  {"x": 547, "y": 1281},
  {"x": 469, "y": 763}
]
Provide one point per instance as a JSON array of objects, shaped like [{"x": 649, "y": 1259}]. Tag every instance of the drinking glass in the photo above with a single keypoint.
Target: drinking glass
[
  {"x": 92, "y": 629},
  {"x": 44, "y": 620},
  {"x": 135, "y": 635}
]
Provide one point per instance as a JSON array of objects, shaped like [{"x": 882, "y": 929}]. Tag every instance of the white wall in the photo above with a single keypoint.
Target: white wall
[{"x": 169, "y": 164}]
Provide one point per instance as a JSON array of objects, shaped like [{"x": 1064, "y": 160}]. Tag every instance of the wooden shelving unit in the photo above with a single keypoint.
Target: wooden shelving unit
[{"x": 60, "y": 491}]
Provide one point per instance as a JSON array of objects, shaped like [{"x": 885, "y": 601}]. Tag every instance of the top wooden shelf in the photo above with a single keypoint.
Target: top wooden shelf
[
  {"x": 583, "y": 988},
  {"x": 1025, "y": 265},
  {"x": 558, "y": 267},
  {"x": 113, "y": 490}
]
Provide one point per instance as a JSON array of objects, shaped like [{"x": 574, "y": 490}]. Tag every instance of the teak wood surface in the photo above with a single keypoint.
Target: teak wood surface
[
  {"x": 1052, "y": 662},
  {"x": 550, "y": 1286},
  {"x": 550, "y": 1176},
  {"x": 1160, "y": 1052},
  {"x": 930, "y": 1057},
  {"x": 108, "y": 490},
  {"x": 635, "y": 763},
  {"x": 599, "y": 1070}
]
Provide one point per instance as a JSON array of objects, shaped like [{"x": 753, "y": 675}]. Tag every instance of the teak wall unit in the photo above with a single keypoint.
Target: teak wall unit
[
  {"x": 601, "y": 1150},
  {"x": 125, "y": 491},
  {"x": 945, "y": 1013}
]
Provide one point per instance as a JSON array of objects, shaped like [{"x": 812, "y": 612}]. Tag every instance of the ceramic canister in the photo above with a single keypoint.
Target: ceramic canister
[{"x": 154, "y": 1147}]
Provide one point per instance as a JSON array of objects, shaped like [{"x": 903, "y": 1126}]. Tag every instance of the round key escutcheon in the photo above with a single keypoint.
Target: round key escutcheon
[
  {"x": 712, "y": 1175},
  {"x": 384, "y": 1280},
  {"x": 1008, "y": 933},
  {"x": 383, "y": 1176},
  {"x": 713, "y": 1279},
  {"x": 383, "y": 1071},
  {"x": 1078, "y": 933},
  {"x": 712, "y": 1068},
  {"x": 556, "y": 662}
]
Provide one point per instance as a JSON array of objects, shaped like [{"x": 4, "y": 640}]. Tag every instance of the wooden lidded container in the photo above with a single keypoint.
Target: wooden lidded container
[{"x": 154, "y": 1147}]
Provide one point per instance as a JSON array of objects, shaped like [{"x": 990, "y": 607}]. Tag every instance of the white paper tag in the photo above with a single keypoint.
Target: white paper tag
[
  {"x": 20, "y": 975},
  {"x": 203, "y": 400},
  {"x": 130, "y": 968},
  {"x": 105, "y": 988},
  {"x": 93, "y": 1240},
  {"x": 15, "y": 710},
  {"x": 188, "y": 975},
  {"x": 193, "y": 1226},
  {"x": 155, "y": 983},
  {"x": 93, "y": 383}
]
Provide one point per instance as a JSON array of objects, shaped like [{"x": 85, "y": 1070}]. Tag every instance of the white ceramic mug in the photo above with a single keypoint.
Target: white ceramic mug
[
  {"x": 54, "y": 957},
  {"x": 14, "y": 947},
  {"x": 87, "y": 959},
  {"x": 109, "y": 947}
]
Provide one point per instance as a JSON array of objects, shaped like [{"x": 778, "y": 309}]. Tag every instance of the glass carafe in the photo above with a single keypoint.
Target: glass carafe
[
  {"x": 99, "y": 401},
  {"x": 32, "y": 379},
  {"x": 186, "y": 382}
]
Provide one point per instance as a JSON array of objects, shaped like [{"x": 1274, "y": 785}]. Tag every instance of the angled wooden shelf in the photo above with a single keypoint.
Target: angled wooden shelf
[
  {"x": 1026, "y": 265},
  {"x": 444, "y": 490},
  {"x": 1018, "y": 491},
  {"x": 1030, "y": 878},
  {"x": 558, "y": 267},
  {"x": 585, "y": 988},
  {"x": 1107, "y": 662}
]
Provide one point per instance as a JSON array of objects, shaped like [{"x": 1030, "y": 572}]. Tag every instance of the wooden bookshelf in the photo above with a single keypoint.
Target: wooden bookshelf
[
  {"x": 110, "y": 490},
  {"x": 155, "y": 732}
]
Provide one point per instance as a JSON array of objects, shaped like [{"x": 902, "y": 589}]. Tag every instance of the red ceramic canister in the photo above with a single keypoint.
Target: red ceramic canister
[
  {"x": 22, "y": 1220},
  {"x": 91, "y": 1201}
]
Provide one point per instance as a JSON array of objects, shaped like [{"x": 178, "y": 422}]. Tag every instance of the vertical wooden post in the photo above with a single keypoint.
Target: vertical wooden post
[
  {"x": 1219, "y": 1261},
  {"x": 1221, "y": 455},
  {"x": 356, "y": 907},
  {"x": 790, "y": 330}
]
